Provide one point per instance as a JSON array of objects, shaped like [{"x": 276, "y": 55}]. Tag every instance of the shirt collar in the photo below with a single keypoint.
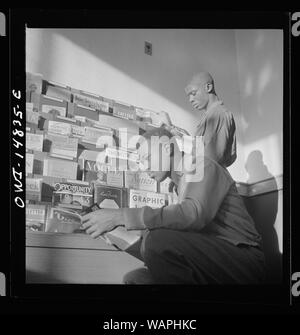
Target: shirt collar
[{"x": 211, "y": 107}]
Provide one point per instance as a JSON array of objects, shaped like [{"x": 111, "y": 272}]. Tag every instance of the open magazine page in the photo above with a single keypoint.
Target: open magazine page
[
  {"x": 122, "y": 238},
  {"x": 65, "y": 221}
]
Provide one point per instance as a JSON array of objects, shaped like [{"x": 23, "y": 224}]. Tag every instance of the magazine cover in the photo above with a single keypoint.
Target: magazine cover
[
  {"x": 34, "y": 141},
  {"x": 85, "y": 111},
  {"x": 29, "y": 163},
  {"x": 96, "y": 136},
  {"x": 34, "y": 82},
  {"x": 32, "y": 118},
  {"x": 35, "y": 217},
  {"x": 54, "y": 110},
  {"x": 72, "y": 194},
  {"x": 60, "y": 128},
  {"x": 39, "y": 100},
  {"x": 140, "y": 181},
  {"x": 138, "y": 199},
  {"x": 61, "y": 146},
  {"x": 95, "y": 172},
  {"x": 60, "y": 220},
  {"x": 108, "y": 197},
  {"x": 57, "y": 90},
  {"x": 60, "y": 168},
  {"x": 90, "y": 101},
  {"x": 33, "y": 189},
  {"x": 77, "y": 131},
  {"x": 124, "y": 111}
]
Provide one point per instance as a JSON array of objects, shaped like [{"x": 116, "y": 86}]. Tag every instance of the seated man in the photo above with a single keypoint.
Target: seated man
[{"x": 208, "y": 237}]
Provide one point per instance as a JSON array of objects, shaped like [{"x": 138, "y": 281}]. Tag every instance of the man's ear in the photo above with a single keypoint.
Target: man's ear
[{"x": 209, "y": 87}]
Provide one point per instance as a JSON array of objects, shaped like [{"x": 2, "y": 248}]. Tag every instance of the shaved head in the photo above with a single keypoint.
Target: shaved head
[
  {"x": 201, "y": 90},
  {"x": 201, "y": 78}
]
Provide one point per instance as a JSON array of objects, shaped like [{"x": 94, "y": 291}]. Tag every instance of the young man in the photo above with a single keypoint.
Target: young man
[
  {"x": 207, "y": 238},
  {"x": 217, "y": 125}
]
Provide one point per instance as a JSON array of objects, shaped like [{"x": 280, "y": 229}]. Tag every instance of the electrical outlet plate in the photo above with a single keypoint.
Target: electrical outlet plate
[{"x": 148, "y": 48}]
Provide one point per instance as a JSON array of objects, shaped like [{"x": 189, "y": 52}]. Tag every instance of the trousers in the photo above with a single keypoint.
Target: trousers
[{"x": 176, "y": 257}]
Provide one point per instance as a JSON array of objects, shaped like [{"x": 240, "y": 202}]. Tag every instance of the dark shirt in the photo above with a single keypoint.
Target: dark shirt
[
  {"x": 211, "y": 205},
  {"x": 218, "y": 130}
]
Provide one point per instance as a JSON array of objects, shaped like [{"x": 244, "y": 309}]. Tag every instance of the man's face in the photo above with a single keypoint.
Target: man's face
[{"x": 198, "y": 95}]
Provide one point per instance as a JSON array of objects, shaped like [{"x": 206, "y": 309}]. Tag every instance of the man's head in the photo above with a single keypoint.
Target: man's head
[
  {"x": 199, "y": 90},
  {"x": 156, "y": 151}
]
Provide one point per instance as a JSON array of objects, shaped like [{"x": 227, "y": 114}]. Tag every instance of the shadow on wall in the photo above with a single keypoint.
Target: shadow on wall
[
  {"x": 263, "y": 209},
  {"x": 256, "y": 168}
]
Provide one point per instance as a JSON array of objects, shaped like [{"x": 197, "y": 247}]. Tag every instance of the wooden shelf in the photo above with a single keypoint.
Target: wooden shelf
[
  {"x": 54, "y": 258},
  {"x": 68, "y": 241}
]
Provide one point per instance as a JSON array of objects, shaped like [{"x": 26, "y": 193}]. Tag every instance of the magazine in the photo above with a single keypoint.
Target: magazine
[
  {"x": 35, "y": 217},
  {"x": 67, "y": 221},
  {"x": 139, "y": 198},
  {"x": 102, "y": 174},
  {"x": 72, "y": 194},
  {"x": 108, "y": 196}
]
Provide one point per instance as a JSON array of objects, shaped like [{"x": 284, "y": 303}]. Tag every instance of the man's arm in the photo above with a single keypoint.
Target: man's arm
[
  {"x": 200, "y": 204},
  {"x": 166, "y": 121}
]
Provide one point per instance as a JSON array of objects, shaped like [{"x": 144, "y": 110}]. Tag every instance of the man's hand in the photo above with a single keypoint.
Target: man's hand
[
  {"x": 101, "y": 221},
  {"x": 165, "y": 118},
  {"x": 166, "y": 121}
]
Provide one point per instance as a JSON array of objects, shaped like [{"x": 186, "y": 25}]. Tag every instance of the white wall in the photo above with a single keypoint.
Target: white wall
[
  {"x": 260, "y": 71},
  {"x": 247, "y": 66},
  {"x": 112, "y": 62}
]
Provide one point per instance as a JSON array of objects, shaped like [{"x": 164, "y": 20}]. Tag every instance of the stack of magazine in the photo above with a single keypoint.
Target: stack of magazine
[{"x": 78, "y": 158}]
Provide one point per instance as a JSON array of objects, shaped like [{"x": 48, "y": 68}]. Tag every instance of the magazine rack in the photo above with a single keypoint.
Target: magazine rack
[{"x": 66, "y": 111}]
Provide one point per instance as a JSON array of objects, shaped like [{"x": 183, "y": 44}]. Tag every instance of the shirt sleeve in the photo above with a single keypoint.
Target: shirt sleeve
[
  {"x": 200, "y": 204},
  {"x": 219, "y": 138}
]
